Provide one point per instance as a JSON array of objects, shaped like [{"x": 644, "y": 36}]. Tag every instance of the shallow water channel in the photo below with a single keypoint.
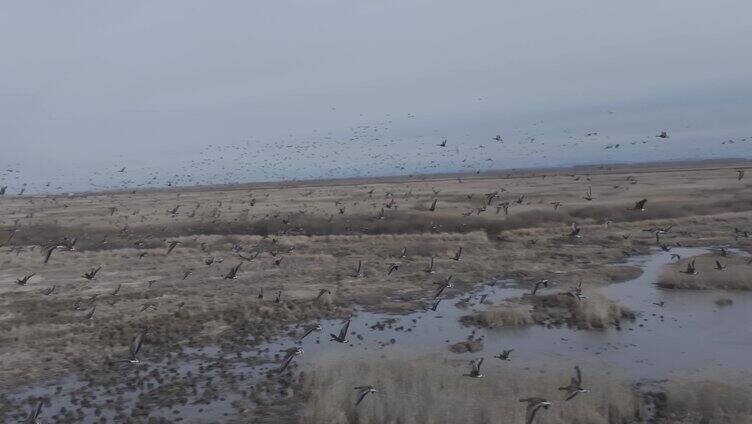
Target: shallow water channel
[{"x": 690, "y": 333}]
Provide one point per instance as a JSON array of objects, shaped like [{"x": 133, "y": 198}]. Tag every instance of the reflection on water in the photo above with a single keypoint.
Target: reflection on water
[{"x": 689, "y": 333}]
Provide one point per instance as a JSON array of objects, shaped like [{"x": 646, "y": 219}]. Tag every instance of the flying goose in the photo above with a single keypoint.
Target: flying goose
[
  {"x": 403, "y": 253},
  {"x": 443, "y": 143},
  {"x": 248, "y": 258},
  {"x": 172, "y": 246},
  {"x": 533, "y": 405},
  {"x": 25, "y": 280},
  {"x": 475, "y": 371},
  {"x": 233, "y": 273},
  {"x": 719, "y": 266},
  {"x": 117, "y": 290},
  {"x": 504, "y": 355},
  {"x": 435, "y": 305},
  {"x": 430, "y": 270},
  {"x": 136, "y": 344},
  {"x": 342, "y": 337},
  {"x": 447, "y": 284},
  {"x": 676, "y": 256},
  {"x": 3, "y": 189},
  {"x": 498, "y": 138},
  {"x": 279, "y": 297},
  {"x": 323, "y": 292},
  {"x": 520, "y": 199},
  {"x": 640, "y": 205},
  {"x": 48, "y": 252},
  {"x": 660, "y": 304},
  {"x": 589, "y": 195},
  {"x": 575, "y": 386},
  {"x": 35, "y": 412},
  {"x": 556, "y": 205},
  {"x": 691, "y": 268},
  {"x": 392, "y": 267},
  {"x": 537, "y": 285},
  {"x": 359, "y": 270},
  {"x": 433, "y": 205},
  {"x": 90, "y": 315},
  {"x": 740, "y": 174},
  {"x": 49, "y": 291},
  {"x": 290, "y": 356},
  {"x": 663, "y": 134},
  {"x": 457, "y": 255},
  {"x": 575, "y": 233},
  {"x": 278, "y": 261},
  {"x": 91, "y": 273},
  {"x": 363, "y": 391},
  {"x": 310, "y": 330}
]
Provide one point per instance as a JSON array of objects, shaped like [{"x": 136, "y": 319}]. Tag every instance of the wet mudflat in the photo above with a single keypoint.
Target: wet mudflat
[{"x": 690, "y": 333}]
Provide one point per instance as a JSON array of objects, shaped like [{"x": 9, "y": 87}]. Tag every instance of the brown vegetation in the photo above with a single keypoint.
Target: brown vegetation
[{"x": 429, "y": 390}]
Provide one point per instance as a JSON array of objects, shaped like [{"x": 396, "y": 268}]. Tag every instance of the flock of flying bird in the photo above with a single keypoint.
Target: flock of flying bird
[{"x": 534, "y": 404}]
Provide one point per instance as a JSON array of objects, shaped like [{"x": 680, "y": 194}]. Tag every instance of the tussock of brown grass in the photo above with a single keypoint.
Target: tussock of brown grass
[
  {"x": 736, "y": 276},
  {"x": 594, "y": 312},
  {"x": 706, "y": 402},
  {"x": 430, "y": 390},
  {"x": 503, "y": 315}
]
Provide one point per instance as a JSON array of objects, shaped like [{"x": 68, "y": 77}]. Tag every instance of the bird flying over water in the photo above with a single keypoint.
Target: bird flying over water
[{"x": 342, "y": 337}]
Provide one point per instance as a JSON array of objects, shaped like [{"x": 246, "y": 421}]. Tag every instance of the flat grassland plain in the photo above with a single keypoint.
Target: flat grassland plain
[{"x": 299, "y": 246}]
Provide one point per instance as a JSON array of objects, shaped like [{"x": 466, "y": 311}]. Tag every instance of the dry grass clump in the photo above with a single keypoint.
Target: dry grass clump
[
  {"x": 594, "y": 312},
  {"x": 503, "y": 315},
  {"x": 736, "y": 276},
  {"x": 705, "y": 402},
  {"x": 431, "y": 390}
]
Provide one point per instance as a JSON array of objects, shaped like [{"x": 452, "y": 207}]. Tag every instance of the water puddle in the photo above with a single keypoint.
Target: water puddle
[{"x": 688, "y": 334}]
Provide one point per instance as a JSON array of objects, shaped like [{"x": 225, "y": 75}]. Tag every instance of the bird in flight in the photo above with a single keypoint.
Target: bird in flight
[
  {"x": 233, "y": 273},
  {"x": 359, "y": 270},
  {"x": 475, "y": 371},
  {"x": 575, "y": 386},
  {"x": 533, "y": 406},
  {"x": 537, "y": 285},
  {"x": 363, "y": 391},
  {"x": 504, "y": 355},
  {"x": 290, "y": 356},
  {"x": 691, "y": 270},
  {"x": 310, "y": 330},
  {"x": 24, "y": 280},
  {"x": 443, "y": 143},
  {"x": 663, "y": 134},
  {"x": 35, "y": 412},
  {"x": 640, "y": 205},
  {"x": 92, "y": 273},
  {"x": 172, "y": 246},
  {"x": 447, "y": 284},
  {"x": 136, "y": 344},
  {"x": 739, "y": 174},
  {"x": 457, "y": 256},
  {"x": 342, "y": 337}
]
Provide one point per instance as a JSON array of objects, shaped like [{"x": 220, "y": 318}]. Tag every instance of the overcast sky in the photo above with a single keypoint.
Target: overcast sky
[{"x": 203, "y": 92}]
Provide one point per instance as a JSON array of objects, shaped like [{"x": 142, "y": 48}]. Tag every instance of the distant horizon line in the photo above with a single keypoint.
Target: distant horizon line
[{"x": 534, "y": 171}]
